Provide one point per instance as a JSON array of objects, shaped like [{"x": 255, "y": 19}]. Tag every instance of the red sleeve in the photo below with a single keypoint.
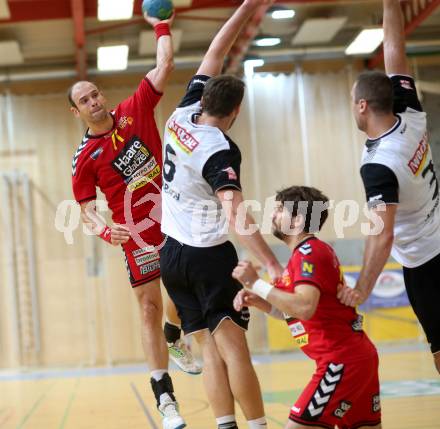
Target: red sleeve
[
  {"x": 146, "y": 96},
  {"x": 307, "y": 269},
  {"x": 83, "y": 181}
]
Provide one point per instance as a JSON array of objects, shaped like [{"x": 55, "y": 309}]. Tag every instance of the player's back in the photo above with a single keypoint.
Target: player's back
[{"x": 335, "y": 330}]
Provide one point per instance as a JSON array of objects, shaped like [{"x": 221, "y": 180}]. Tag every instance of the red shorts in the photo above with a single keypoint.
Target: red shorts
[
  {"x": 342, "y": 394},
  {"x": 142, "y": 256}
]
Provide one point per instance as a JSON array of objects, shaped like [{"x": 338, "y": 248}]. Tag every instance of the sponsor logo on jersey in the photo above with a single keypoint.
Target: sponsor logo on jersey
[
  {"x": 404, "y": 83},
  {"x": 307, "y": 269},
  {"x": 417, "y": 162},
  {"x": 171, "y": 192},
  {"x": 181, "y": 137},
  {"x": 376, "y": 403},
  {"x": 148, "y": 268},
  {"x": 131, "y": 158},
  {"x": 296, "y": 409},
  {"x": 245, "y": 315},
  {"x": 297, "y": 328},
  {"x": 286, "y": 279},
  {"x": 95, "y": 154},
  {"x": 198, "y": 81},
  {"x": 124, "y": 121},
  {"x": 144, "y": 180},
  {"x": 232, "y": 175},
  {"x": 302, "y": 340},
  {"x": 141, "y": 260},
  {"x": 143, "y": 250},
  {"x": 344, "y": 406},
  {"x": 375, "y": 201},
  {"x": 136, "y": 165},
  {"x": 358, "y": 324}
]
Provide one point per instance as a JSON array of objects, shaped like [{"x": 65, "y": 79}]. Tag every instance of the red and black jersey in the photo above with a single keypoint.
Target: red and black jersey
[
  {"x": 126, "y": 162},
  {"x": 335, "y": 330}
]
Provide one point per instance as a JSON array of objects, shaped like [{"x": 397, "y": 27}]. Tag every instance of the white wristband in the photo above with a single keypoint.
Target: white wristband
[
  {"x": 276, "y": 314},
  {"x": 261, "y": 288}
]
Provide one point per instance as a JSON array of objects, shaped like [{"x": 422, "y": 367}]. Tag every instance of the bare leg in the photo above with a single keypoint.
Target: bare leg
[
  {"x": 171, "y": 312},
  {"x": 232, "y": 346},
  {"x": 153, "y": 340},
  {"x": 215, "y": 377}
]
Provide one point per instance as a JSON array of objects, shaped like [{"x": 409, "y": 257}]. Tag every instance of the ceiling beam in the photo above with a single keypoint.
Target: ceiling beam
[
  {"x": 77, "y": 8},
  {"x": 414, "y": 14},
  {"x": 39, "y": 10}
]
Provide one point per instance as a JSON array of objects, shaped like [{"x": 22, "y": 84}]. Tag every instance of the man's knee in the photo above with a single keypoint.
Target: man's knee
[
  {"x": 231, "y": 341},
  {"x": 150, "y": 304}
]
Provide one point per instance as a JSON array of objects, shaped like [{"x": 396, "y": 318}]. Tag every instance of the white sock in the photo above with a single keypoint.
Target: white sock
[
  {"x": 226, "y": 422},
  {"x": 257, "y": 423},
  {"x": 157, "y": 374}
]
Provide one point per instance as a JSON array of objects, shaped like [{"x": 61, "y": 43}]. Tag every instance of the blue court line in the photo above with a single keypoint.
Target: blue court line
[
  {"x": 143, "y": 406},
  {"x": 34, "y": 407},
  {"x": 44, "y": 374}
]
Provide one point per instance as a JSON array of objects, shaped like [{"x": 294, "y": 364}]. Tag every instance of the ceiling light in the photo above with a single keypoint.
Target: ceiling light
[
  {"x": 5, "y": 13},
  {"x": 283, "y": 14},
  {"x": 366, "y": 42},
  {"x": 112, "y": 57},
  {"x": 254, "y": 63},
  {"x": 267, "y": 41},
  {"x": 109, "y": 10},
  {"x": 10, "y": 53},
  {"x": 250, "y": 64}
]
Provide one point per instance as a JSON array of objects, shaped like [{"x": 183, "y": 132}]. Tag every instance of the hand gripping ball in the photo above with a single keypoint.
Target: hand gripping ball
[{"x": 161, "y": 9}]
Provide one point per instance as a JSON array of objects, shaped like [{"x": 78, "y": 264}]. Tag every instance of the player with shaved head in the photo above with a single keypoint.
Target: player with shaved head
[{"x": 121, "y": 153}]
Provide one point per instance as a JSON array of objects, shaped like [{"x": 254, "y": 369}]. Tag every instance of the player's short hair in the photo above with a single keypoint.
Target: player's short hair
[
  {"x": 69, "y": 95},
  {"x": 310, "y": 202},
  {"x": 222, "y": 94},
  {"x": 377, "y": 89}
]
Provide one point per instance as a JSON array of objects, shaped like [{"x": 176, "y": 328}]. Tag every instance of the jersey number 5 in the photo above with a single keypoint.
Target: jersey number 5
[{"x": 169, "y": 168}]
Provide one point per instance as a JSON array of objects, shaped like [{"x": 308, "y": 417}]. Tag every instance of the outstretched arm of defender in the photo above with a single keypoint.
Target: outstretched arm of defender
[
  {"x": 95, "y": 223},
  {"x": 394, "y": 38},
  {"x": 214, "y": 58},
  {"x": 249, "y": 236},
  {"x": 164, "y": 54},
  {"x": 377, "y": 251}
]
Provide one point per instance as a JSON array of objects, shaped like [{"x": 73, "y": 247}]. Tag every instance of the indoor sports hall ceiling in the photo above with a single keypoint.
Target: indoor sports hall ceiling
[{"x": 54, "y": 38}]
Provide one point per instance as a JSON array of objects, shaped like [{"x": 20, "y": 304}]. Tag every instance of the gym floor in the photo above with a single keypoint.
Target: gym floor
[{"x": 120, "y": 397}]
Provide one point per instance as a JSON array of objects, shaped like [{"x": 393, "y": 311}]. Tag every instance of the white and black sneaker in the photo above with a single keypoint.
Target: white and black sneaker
[
  {"x": 166, "y": 403},
  {"x": 170, "y": 412}
]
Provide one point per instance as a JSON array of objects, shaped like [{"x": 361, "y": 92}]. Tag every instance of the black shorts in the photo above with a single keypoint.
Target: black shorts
[
  {"x": 423, "y": 288},
  {"x": 199, "y": 281}
]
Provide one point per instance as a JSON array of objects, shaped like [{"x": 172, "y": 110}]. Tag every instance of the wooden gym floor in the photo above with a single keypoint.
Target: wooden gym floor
[{"x": 120, "y": 397}]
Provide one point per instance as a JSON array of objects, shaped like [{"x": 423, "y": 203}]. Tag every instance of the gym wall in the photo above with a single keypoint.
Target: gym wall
[{"x": 293, "y": 129}]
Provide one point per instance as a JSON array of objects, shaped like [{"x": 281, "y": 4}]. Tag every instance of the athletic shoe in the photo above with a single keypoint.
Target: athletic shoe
[
  {"x": 183, "y": 358},
  {"x": 170, "y": 412}
]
